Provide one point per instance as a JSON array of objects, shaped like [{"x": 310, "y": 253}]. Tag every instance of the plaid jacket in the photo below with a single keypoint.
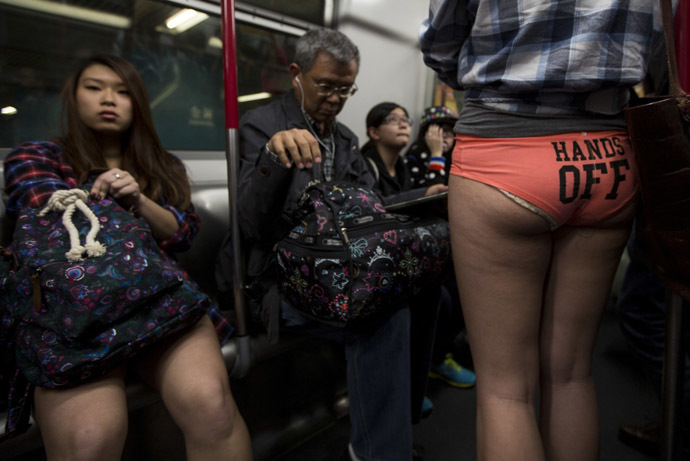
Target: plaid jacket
[{"x": 541, "y": 56}]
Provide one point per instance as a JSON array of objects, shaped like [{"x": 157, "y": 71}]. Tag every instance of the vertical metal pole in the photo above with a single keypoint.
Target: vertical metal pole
[
  {"x": 674, "y": 368},
  {"x": 243, "y": 360},
  {"x": 682, "y": 32}
]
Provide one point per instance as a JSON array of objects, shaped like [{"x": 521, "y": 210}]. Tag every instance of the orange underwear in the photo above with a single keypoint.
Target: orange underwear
[{"x": 578, "y": 179}]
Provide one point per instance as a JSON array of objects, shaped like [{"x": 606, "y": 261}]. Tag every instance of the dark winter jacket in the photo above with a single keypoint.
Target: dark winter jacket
[
  {"x": 418, "y": 165},
  {"x": 269, "y": 192},
  {"x": 387, "y": 184}
]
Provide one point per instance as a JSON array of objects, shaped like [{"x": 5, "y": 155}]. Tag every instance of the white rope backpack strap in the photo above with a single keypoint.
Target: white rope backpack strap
[{"x": 68, "y": 201}]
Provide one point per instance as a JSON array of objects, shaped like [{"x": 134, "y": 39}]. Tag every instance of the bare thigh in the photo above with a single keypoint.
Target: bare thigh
[
  {"x": 583, "y": 265},
  {"x": 190, "y": 373},
  {"x": 84, "y": 421},
  {"x": 501, "y": 254}
]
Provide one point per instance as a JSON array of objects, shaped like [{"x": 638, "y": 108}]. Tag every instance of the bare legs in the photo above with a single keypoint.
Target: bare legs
[
  {"x": 501, "y": 255},
  {"x": 532, "y": 301},
  {"x": 72, "y": 423},
  {"x": 582, "y": 270},
  {"x": 190, "y": 374}
]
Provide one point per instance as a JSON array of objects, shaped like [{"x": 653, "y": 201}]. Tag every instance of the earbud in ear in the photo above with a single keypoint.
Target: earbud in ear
[{"x": 297, "y": 80}]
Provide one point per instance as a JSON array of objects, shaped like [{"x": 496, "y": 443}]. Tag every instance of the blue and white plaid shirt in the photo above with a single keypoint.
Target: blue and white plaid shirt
[{"x": 541, "y": 56}]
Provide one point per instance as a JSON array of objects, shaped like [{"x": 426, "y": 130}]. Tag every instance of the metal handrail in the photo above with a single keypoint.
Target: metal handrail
[{"x": 243, "y": 360}]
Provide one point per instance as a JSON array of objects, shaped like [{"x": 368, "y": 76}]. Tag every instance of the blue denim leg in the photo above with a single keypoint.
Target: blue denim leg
[
  {"x": 378, "y": 381},
  {"x": 449, "y": 325},
  {"x": 423, "y": 324}
]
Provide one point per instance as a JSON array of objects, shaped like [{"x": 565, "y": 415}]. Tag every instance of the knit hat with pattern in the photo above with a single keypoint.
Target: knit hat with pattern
[{"x": 438, "y": 114}]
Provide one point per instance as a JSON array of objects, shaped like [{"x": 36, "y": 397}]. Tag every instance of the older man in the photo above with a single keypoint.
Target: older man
[{"x": 280, "y": 143}]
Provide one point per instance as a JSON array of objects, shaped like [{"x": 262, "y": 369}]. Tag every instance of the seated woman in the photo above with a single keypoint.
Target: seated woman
[
  {"x": 109, "y": 130},
  {"x": 429, "y": 158},
  {"x": 389, "y": 129}
]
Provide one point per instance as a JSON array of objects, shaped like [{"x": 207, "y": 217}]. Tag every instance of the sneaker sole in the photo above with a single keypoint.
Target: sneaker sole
[{"x": 449, "y": 381}]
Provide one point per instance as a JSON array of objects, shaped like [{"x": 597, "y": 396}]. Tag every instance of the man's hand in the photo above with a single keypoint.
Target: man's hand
[{"x": 298, "y": 146}]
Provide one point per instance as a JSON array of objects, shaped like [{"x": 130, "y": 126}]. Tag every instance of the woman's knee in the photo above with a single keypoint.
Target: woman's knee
[
  {"x": 88, "y": 438},
  {"x": 567, "y": 357},
  {"x": 515, "y": 389},
  {"x": 564, "y": 372},
  {"x": 207, "y": 411},
  {"x": 84, "y": 422}
]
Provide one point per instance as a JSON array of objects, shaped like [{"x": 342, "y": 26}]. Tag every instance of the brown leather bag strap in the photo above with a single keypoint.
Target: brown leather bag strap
[{"x": 667, "y": 17}]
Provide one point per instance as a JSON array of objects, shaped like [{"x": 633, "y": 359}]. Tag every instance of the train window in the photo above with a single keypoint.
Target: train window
[
  {"x": 42, "y": 40},
  {"x": 313, "y": 11}
]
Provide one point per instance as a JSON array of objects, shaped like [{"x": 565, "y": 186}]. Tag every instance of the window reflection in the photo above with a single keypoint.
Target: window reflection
[
  {"x": 306, "y": 10},
  {"x": 183, "y": 70}
]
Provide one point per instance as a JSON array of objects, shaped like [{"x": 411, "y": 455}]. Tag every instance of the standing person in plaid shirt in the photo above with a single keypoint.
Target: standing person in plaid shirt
[{"x": 541, "y": 197}]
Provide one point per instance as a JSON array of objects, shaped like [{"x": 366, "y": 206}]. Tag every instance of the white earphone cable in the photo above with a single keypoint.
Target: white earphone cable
[{"x": 306, "y": 119}]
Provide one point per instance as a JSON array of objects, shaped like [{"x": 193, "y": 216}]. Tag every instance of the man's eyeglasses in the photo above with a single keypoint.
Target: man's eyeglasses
[
  {"x": 327, "y": 90},
  {"x": 396, "y": 120}
]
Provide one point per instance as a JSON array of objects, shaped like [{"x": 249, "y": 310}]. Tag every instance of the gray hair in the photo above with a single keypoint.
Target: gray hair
[{"x": 329, "y": 41}]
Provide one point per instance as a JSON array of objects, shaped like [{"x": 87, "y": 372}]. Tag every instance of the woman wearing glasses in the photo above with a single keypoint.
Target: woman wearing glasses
[{"x": 389, "y": 128}]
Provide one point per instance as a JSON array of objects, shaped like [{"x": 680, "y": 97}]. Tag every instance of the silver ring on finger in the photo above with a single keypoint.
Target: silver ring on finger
[{"x": 117, "y": 175}]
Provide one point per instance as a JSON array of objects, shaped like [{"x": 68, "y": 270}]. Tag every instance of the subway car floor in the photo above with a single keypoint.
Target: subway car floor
[{"x": 448, "y": 434}]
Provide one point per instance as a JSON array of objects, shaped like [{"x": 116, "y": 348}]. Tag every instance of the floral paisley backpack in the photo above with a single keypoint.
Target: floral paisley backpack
[{"x": 80, "y": 309}]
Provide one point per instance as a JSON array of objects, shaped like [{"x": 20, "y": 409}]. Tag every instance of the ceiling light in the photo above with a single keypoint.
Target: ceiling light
[
  {"x": 185, "y": 19},
  {"x": 74, "y": 12},
  {"x": 215, "y": 42},
  {"x": 8, "y": 110},
  {"x": 253, "y": 97}
]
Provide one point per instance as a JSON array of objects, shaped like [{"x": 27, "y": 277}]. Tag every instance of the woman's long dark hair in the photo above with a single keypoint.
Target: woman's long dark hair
[
  {"x": 375, "y": 118},
  {"x": 143, "y": 156}
]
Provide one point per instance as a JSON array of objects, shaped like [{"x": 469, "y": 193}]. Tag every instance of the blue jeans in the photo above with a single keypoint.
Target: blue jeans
[
  {"x": 386, "y": 382},
  {"x": 450, "y": 322},
  {"x": 642, "y": 311}
]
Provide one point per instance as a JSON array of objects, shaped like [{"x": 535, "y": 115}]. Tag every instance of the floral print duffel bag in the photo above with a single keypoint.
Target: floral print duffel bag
[{"x": 347, "y": 261}]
